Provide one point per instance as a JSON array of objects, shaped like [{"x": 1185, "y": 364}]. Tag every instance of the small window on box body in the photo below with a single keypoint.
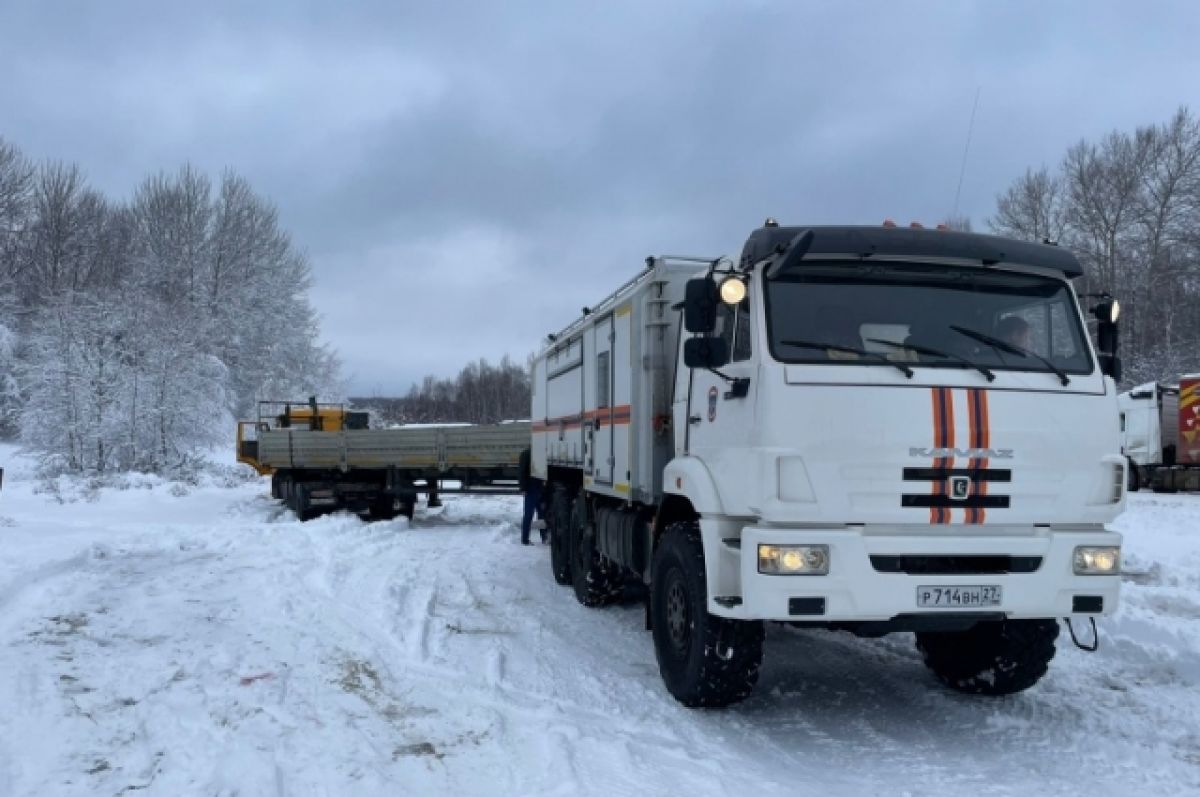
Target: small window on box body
[{"x": 602, "y": 380}]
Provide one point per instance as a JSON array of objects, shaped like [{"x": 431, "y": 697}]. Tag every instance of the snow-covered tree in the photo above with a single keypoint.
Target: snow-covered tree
[
  {"x": 1129, "y": 206},
  {"x": 131, "y": 336}
]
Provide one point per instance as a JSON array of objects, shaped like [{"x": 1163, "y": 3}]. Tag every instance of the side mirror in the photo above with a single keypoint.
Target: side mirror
[
  {"x": 705, "y": 352},
  {"x": 1107, "y": 311},
  {"x": 700, "y": 300},
  {"x": 1107, "y": 341}
]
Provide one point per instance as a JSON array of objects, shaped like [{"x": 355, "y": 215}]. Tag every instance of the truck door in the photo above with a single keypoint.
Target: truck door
[
  {"x": 602, "y": 430},
  {"x": 720, "y": 415}
]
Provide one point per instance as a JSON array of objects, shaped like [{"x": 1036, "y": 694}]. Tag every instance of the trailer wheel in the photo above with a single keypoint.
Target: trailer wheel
[
  {"x": 1159, "y": 482},
  {"x": 991, "y": 658},
  {"x": 285, "y": 487},
  {"x": 595, "y": 582},
  {"x": 704, "y": 660},
  {"x": 1133, "y": 481},
  {"x": 298, "y": 501},
  {"x": 560, "y": 534},
  {"x": 381, "y": 509},
  {"x": 277, "y": 485}
]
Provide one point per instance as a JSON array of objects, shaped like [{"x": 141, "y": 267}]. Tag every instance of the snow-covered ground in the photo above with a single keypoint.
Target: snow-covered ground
[{"x": 165, "y": 640}]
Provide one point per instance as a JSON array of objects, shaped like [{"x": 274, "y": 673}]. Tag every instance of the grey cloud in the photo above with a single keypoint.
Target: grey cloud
[{"x": 466, "y": 175}]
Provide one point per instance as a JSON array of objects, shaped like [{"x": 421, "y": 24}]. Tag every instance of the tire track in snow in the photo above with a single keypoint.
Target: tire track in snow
[
  {"x": 410, "y": 586},
  {"x": 12, "y": 592}
]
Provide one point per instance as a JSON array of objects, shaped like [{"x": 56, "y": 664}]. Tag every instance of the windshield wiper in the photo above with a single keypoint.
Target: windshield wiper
[
  {"x": 991, "y": 377},
  {"x": 1004, "y": 345},
  {"x": 872, "y": 355}
]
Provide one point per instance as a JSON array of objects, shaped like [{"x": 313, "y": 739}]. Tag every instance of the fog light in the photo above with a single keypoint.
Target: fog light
[
  {"x": 793, "y": 560},
  {"x": 1097, "y": 561}
]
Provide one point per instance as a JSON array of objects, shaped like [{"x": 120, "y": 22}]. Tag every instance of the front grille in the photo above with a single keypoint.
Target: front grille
[
  {"x": 971, "y": 501},
  {"x": 941, "y": 474},
  {"x": 955, "y": 565},
  {"x": 940, "y": 496}
]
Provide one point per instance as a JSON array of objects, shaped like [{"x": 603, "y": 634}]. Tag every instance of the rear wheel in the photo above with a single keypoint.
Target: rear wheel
[
  {"x": 596, "y": 582},
  {"x": 560, "y": 534},
  {"x": 992, "y": 658},
  {"x": 382, "y": 508},
  {"x": 705, "y": 660},
  {"x": 298, "y": 501}
]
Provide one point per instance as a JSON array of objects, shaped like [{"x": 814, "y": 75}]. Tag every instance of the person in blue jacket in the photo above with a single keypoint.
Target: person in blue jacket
[{"x": 532, "y": 488}]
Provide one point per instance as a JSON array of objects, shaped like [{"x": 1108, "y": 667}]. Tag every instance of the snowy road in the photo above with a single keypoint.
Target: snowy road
[{"x": 165, "y": 644}]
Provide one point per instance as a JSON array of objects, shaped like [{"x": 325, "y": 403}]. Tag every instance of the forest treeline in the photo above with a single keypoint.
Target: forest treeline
[
  {"x": 1128, "y": 205},
  {"x": 131, "y": 332},
  {"x": 481, "y": 393}
]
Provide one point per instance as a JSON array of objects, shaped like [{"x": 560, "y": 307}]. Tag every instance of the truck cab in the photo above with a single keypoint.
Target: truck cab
[
  {"x": 930, "y": 424},
  {"x": 1160, "y": 434},
  {"x": 872, "y": 430}
]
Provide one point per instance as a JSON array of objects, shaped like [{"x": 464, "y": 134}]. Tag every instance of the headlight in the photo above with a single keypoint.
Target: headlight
[
  {"x": 793, "y": 560},
  {"x": 1097, "y": 561}
]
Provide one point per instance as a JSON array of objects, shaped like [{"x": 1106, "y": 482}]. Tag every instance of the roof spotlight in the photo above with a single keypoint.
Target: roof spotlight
[{"x": 733, "y": 290}]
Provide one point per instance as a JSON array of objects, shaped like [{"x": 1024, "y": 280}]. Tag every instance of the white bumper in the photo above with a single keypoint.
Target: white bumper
[{"x": 854, "y": 590}]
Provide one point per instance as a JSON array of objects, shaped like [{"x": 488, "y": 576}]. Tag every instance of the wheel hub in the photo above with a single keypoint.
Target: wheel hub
[{"x": 678, "y": 625}]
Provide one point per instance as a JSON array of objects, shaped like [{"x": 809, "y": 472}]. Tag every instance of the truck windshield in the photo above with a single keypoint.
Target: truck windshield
[{"x": 927, "y": 315}]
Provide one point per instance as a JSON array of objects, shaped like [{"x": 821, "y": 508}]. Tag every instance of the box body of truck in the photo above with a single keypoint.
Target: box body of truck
[{"x": 929, "y": 494}]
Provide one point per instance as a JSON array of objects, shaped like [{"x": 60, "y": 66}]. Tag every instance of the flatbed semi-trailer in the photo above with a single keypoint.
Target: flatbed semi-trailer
[{"x": 330, "y": 464}]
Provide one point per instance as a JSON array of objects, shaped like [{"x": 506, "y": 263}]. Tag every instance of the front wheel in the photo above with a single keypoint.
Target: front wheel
[
  {"x": 991, "y": 658},
  {"x": 705, "y": 660}
]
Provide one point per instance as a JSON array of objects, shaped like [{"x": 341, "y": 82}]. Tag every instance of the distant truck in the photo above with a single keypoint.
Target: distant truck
[
  {"x": 1160, "y": 435},
  {"x": 323, "y": 457},
  {"x": 863, "y": 429}
]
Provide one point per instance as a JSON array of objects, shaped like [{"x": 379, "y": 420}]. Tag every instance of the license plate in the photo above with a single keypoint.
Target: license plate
[{"x": 957, "y": 597}]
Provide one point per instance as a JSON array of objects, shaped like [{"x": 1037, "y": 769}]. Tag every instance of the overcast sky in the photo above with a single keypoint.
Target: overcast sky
[{"x": 466, "y": 176}]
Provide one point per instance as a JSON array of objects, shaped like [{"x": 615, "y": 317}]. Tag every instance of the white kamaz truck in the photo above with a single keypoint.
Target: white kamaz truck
[{"x": 864, "y": 429}]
